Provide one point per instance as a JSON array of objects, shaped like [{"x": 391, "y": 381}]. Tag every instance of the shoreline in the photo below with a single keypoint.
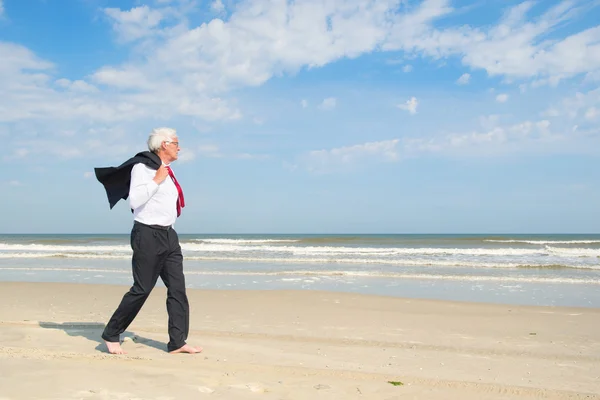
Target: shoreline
[
  {"x": 295, "y": 345},
  {"x": 474, "y": 290}
]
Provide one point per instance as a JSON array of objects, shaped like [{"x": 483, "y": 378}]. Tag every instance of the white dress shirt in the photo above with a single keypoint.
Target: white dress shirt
[{"x": 152, "y": 204}]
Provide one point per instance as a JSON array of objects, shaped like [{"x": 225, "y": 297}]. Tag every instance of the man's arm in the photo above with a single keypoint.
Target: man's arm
[{"x": 142, "y": 187}]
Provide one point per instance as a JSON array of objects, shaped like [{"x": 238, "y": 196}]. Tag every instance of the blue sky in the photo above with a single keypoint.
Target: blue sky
[{"x": 312, "y": 116}]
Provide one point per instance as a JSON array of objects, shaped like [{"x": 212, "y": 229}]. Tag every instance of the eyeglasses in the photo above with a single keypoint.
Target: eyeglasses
[{"x": 175, "y": 143}]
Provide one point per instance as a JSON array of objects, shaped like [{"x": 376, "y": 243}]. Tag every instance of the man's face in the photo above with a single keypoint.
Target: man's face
[{"x": 171, "y": 148}]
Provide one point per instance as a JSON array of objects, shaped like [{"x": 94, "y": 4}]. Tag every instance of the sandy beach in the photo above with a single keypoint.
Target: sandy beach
[{"x": 294, "y": 345}]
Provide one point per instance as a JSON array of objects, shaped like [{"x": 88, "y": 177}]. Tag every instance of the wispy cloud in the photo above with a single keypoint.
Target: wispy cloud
[
  {"x": 464, "y": 79},
  {"x": 410, "y": 105},
  {"x": 217, "y": 6},
  {"x": 137, "y": 23},
  {"x": 328, "y": 104},
  {"x": 324, "y": 161},
  {"x": 526, "y": 137},
  {"x": 76, "y": 86},
  {"x": 502, "y": 98},
  {"x": 183, "y": 69}
]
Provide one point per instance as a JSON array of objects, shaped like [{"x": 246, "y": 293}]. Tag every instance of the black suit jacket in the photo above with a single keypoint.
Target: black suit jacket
[{"x": 116, "y": 180}]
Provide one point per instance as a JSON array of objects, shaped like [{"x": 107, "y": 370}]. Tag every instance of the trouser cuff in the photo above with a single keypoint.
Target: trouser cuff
[
  {"x": 112, "y": 339},
  {"x": 171, "y": 347}
]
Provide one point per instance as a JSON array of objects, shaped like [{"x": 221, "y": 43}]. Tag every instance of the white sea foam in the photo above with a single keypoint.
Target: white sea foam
[
  {"x": 92, "y": 251},
  {"x": 333, "y": 250},
  {"x": 574, "y": 252},
  {"x": 246, "y": 241},
  {"x": 542, "y": 241},
  {"x": 63, "y": 248},
  {"x": 65, "y": 255},
  {"x": 338, "y": 273},
  {"x": 412, "y": 261}
]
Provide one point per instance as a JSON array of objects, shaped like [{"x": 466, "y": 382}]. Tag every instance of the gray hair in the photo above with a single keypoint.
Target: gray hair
[{"x": 158, "y": 136}]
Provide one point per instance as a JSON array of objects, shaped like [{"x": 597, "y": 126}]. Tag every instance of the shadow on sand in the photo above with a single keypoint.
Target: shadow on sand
[{"x": 93, "y": 331}]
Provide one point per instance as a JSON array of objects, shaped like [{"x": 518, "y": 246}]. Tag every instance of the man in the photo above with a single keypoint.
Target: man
[{"x": 156, "y": 200}]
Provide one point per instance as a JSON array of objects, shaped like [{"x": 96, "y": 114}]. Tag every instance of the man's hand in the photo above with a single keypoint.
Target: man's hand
[{"x": 161, "y": 174}]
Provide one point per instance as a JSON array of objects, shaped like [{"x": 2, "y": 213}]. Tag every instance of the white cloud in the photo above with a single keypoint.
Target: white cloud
[
  {"x": 407, "y": 68},
  {"x": 31, "y": 94},
  {"x": 304, "y": 103},
  {"x": 217, "y": 6},
  {"x": 127, "y": 77},
  {"x": 527, "y": 137},
  {"x": 515, "y": 48},
  {"x": 182, "y": 69},
  {"x": 88, "y": 174},
  {"x": 323, "y": 161},
  {"x": 14, "y": 182},
  {"x": 177, "y": 68},
  {"x": 410, "y": 105},
  {"x": 464, "y": 79},
  {"x": 328, "y": 103},
  {"x": 1, "y": 8},
  {"x": 581, "y": 104},
  {"x": 502, "y": 98},
  {"x": 136, "y": 23},
  {"x": 76, "y": 86}
]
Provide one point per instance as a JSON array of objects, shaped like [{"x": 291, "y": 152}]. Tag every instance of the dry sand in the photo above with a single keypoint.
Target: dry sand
[{"x": 294, "y": 345}]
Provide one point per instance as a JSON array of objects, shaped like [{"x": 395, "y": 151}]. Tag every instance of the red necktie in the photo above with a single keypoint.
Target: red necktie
[{"x": 180, "y": 199}]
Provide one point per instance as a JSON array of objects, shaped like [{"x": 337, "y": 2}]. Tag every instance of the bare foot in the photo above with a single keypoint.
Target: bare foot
[
  {"x": 114, "y": 348},
  {"x": 186, "y": 348}
]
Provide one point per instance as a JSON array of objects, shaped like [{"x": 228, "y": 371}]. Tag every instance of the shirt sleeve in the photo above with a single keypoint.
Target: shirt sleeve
[{"x": 142, "y": 186}]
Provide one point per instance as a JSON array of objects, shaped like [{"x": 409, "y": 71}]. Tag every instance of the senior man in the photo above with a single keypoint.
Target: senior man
[{"x": 156, "y": 199}]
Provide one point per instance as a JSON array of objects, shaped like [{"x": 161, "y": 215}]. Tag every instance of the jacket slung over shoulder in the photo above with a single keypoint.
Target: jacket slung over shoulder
[{"x": 116, "y": 180}]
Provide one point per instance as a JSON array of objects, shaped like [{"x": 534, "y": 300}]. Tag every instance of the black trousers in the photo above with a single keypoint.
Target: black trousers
[{"x": 156, "y": 252}]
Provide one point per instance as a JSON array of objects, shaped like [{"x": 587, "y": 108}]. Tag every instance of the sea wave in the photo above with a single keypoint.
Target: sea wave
[
  {"x": 338, "y": 273},
  {"x": 405, "y": 262},
  {"x": 574, "y": 252},
  {"x": 245, "y": 241},
  {"x": 268, "y": 246},
  {"x": 333, "y": 250},
  {"x": 64, "y": 248},
  {"x": 542, "y": 241},
  {"x": 225, "y": 246}
]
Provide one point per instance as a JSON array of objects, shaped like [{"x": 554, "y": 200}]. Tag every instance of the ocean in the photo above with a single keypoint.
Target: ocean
[{"x": 549, "y": 270}]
